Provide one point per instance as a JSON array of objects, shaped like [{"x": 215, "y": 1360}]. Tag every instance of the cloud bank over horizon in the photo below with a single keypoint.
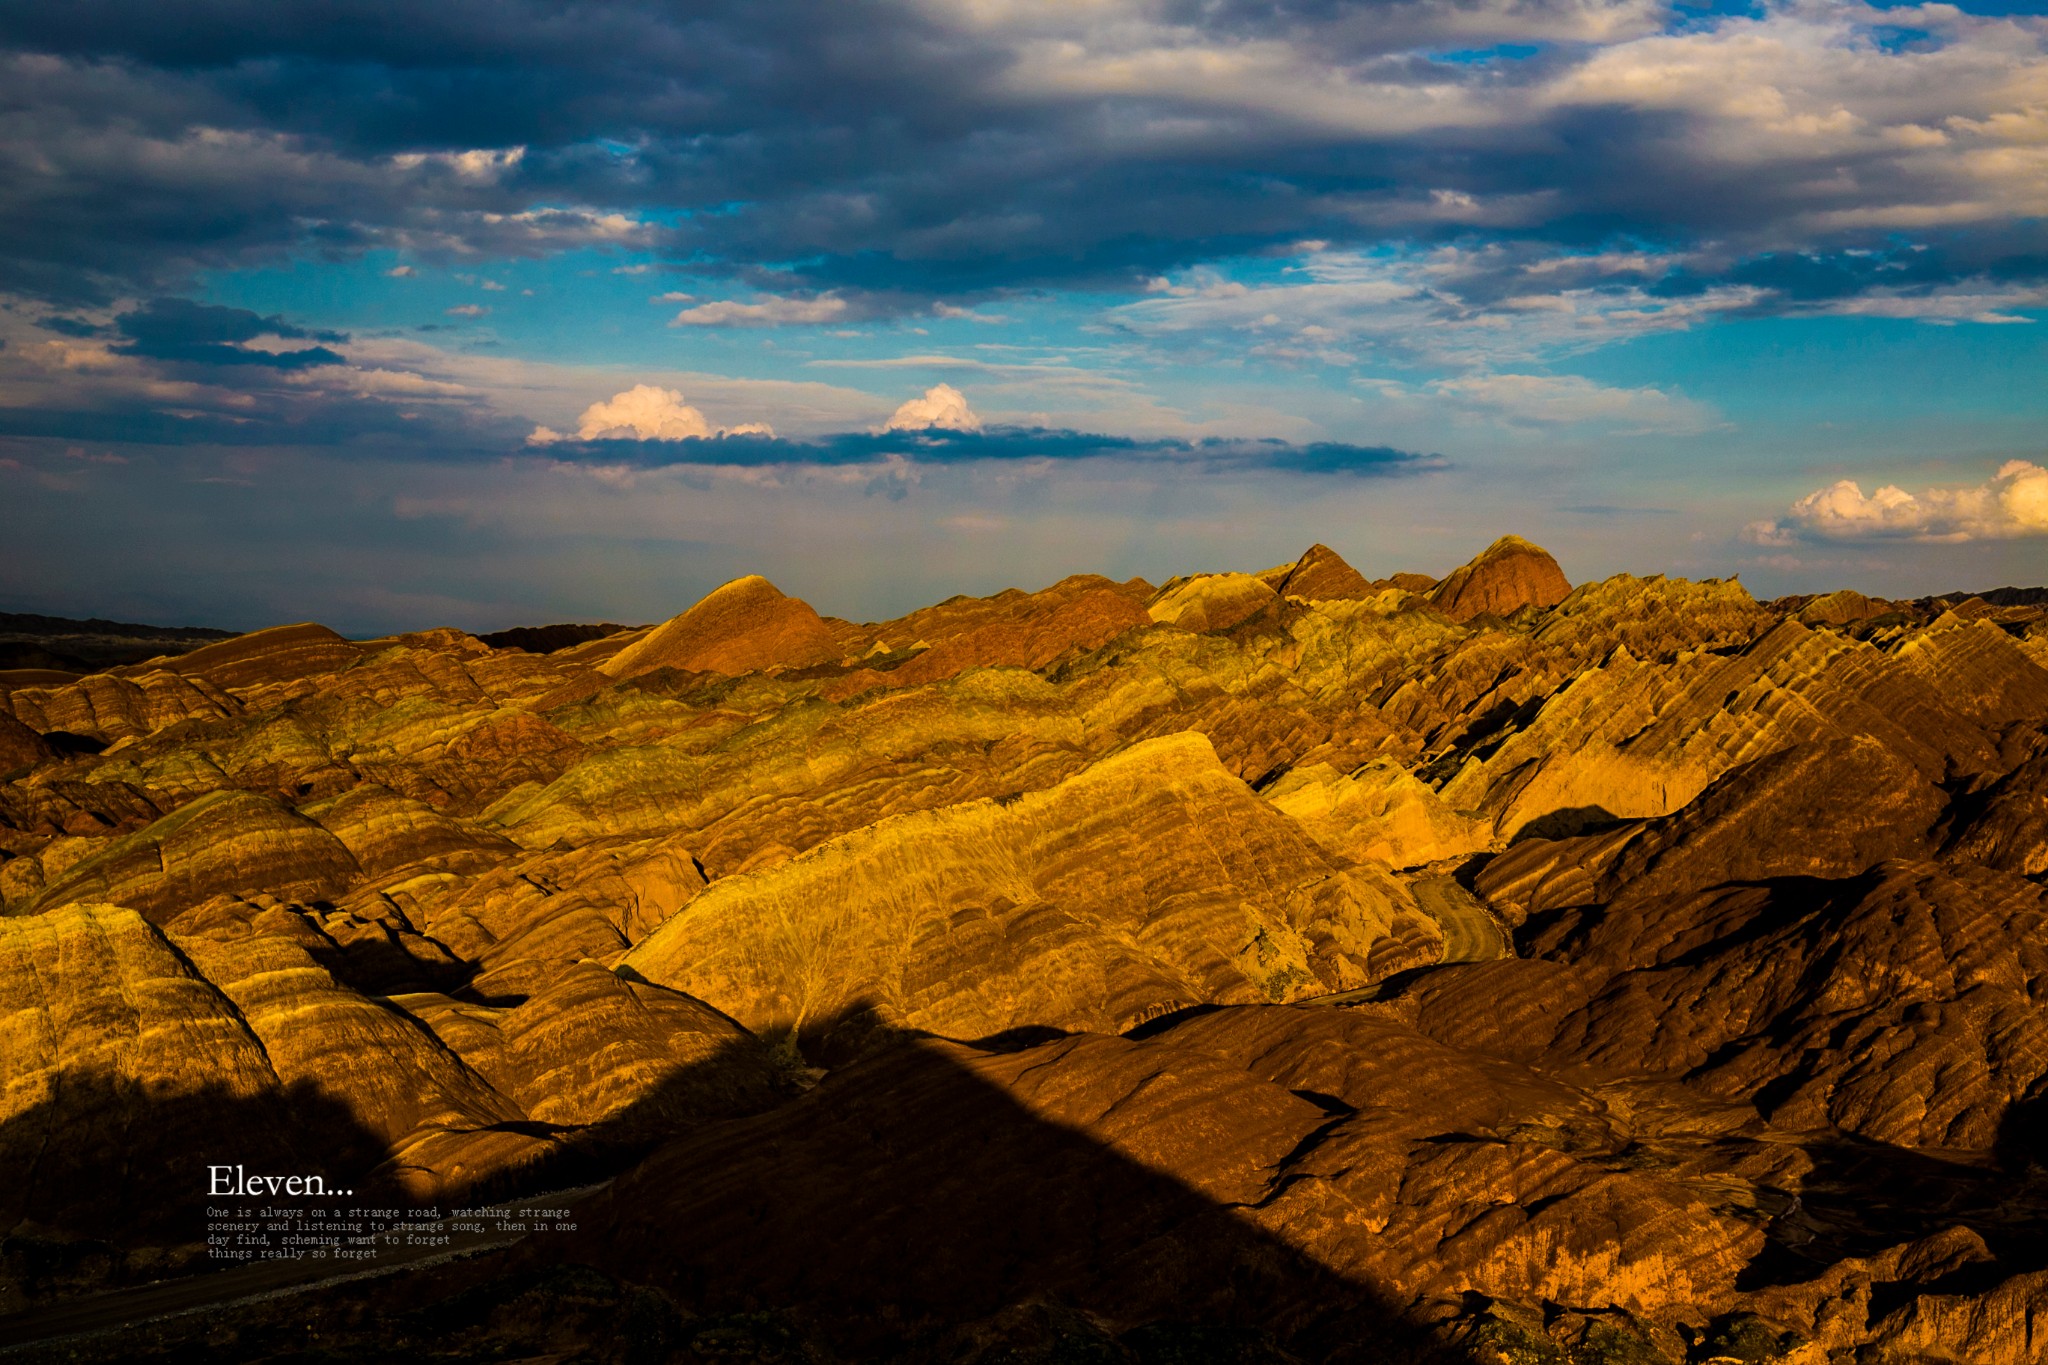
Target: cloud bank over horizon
[{"x": 1684, "y": 263}]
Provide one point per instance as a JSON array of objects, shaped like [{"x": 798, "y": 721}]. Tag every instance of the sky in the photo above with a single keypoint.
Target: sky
[{"x": 500, "y": 312}]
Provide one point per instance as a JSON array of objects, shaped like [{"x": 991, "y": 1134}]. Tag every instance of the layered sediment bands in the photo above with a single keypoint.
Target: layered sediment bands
[
  {"x": 2006, "y": 825},
  {"x": 384, "y": 832},
  {"x": 1321, "y": 574},
  {"x": 110, "y": 708},
  {"x": 1703, "y": 1019},
  {"x": 1192, "y": 1176},
  {"x": 226, "y": 842},
  {"x": 1508, "y": 575},
  {"x": 1018, "y": 629},
  {"x": 276, "y": 655},
  {"x": 441, "y": 1126},
  {"x": 746, "y": 626},
  {"x": 1635, "y": 737},
  {"x": 1152, "y": 880},
  {"x": 592, "y": 1046},
  {"x": 1380, "y": 813},
  {"x": 113, "y": 1042},
  {"x": 1778, "y": 816},
  {"x": 21, "y": 747},
  {"x": 805, "y": 770},
  {"x": 1212, "y": 601}
]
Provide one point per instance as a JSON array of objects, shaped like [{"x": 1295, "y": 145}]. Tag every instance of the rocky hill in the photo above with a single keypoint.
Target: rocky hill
[
  {"x": 57, "y": 644},
  {"x": 1274, "y": 966}
]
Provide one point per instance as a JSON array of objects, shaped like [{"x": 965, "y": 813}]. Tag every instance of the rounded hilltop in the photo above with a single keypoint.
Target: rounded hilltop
[
  {"x": 1508, "y": 575},
  {"x": 745, "y": 626}
]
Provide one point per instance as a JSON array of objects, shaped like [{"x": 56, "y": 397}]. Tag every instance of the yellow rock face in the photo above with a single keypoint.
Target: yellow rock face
[
  {"x": 225, "y": 842},
  {"x": 1212, "y": 602},
  {"x": 1062, "y": 930},
  {"x": 1151, "y": 881},
  {"x": 1380, "y": 813}
]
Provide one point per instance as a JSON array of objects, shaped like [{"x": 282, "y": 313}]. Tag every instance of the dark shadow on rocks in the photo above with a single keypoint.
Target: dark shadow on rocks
[
  {"x": 911, "y": 1207},
  {"x": 2022, "y": 1143},
  {"x": 1568, "y": 823},
  {"x": 1862, "y": 1197},
  {"x": 107, "y": 1182},
  {"x": 907, "y": 1208}
]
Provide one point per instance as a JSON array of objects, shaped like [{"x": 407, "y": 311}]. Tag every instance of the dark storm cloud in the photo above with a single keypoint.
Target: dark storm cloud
[
  {"x": 176, "y": 372},
  {"x": 886, "y": 150},
  {"x": 1004, "y": 443},
  {"x": 273, "y": 418},
  {"x": 207, "y": 334}
]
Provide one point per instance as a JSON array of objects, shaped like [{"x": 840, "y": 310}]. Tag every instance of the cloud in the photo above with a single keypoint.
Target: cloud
[
  {"x": 910, "y": 153},
  {"x": 942, "y": 406},
  {"x": 955, "y": 313},
  {"x": 400, "y": 272},
  {"x": 771, "y": 311},
  {"x": 1478, "y": 306},
  {"x": 2012, "y": 504},
  {"x": 1570, "y": 399},
  {"x": 174, "y": 372},
  {"x": 645, "y": 413},
  {"x": 467, "y": 310},
  {"x": 622, "y": 447},
  {"x": 206, "y": 334}
]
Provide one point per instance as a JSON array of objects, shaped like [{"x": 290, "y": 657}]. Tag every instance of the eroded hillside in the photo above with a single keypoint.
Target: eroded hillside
[{"x": 1327, "y": 968}]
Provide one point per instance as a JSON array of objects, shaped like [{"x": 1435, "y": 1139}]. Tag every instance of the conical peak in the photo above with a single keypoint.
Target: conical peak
[{"x": 1322, "y": 574}]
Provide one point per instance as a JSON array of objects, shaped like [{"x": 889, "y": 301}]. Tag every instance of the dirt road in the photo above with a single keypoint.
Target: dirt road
[{"x": 1471, "y": 934}]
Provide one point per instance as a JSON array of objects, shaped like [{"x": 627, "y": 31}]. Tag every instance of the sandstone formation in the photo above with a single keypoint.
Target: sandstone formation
[
  {"x": 1212, "y": 601},
  {"x": 1151, "y": 881},
  {"x": 1261, "y": 967},
  {"x": 745, "y": 626},
  {"x": 1508, "y": 575},
  {"x": 1381, "y": 813},
  {"x": 1319, "y": 575}
]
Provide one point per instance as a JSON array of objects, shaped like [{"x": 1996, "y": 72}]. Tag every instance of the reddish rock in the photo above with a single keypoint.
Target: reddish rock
[
  {"x": 1508, "y": 575},
  {"x": 278, "y": 654},
  {"x": 745, "y": 626},
  {"x": 1320, "y": 574}
]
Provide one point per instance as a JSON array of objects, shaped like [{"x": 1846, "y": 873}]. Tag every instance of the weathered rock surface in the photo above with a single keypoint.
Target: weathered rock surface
[
  {"x": 1212, "y": 601},
  {"x": 1151, "y": 881},
  {"x": 1319, "y": 575},
  {"x": 1380, "y": 813},
  {"x": 746, "y": 626},
  {"x": 1508, "y": 575},
  {"x": 1264, "y": 967}
]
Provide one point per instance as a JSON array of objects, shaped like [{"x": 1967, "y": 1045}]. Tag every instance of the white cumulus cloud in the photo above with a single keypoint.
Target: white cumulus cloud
[
  {"x": 645, "y": 413},
  {"x": 942, "y": 406},
  {"x": 2013, "y": 503}
]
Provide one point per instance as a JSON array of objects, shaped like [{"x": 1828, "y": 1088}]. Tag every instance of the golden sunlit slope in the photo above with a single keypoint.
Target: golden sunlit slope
[{"x": 1526, "y": 964}]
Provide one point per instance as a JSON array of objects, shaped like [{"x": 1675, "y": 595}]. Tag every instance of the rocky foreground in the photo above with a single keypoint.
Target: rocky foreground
[{"x": 1265, "y": 967}]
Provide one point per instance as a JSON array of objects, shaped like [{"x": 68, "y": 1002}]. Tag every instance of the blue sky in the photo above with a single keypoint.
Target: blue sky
[{"x": 509, "y": 311}]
